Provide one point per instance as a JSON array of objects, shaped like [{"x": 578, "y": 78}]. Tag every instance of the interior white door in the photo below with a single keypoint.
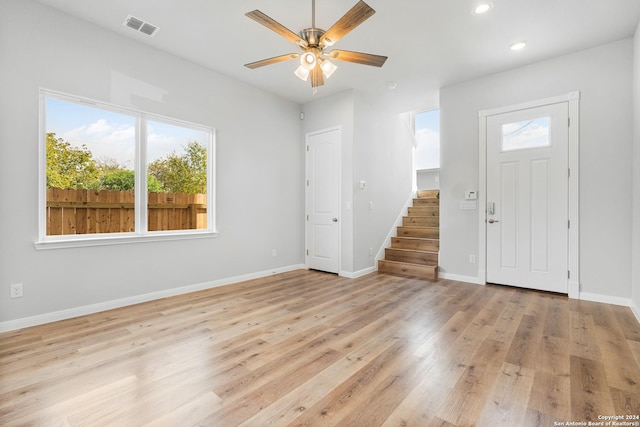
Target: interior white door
[
  {"x": 527, "y": 198},
  {"x": 323, "y": 200}
]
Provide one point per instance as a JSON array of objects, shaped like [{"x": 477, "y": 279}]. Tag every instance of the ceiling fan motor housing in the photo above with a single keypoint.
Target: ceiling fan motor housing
[{"x": 312, "y": 36}]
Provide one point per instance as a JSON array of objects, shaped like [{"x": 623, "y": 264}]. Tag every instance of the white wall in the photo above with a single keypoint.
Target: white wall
[
  {"x": 428, "y": 179},
  {"x": 337, "y": 110},
  {"x": 635, "y": 254},
  {"x": 260, "y": 165},
  {"x": 603, "y": 77},
  {"x": 377, "y": 149},
  {"x": 383, "y": 158}
]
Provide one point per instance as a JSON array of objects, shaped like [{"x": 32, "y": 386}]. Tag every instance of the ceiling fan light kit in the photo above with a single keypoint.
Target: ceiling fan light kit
[
  {"x": 314, "y": 61},
  {"x": 308, "y": 60},
  {"x": 302, "y": 72},
  {"x": 328, "y": 68}
]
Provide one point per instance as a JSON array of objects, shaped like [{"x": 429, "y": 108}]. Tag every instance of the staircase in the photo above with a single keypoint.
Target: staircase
[{"x": 415, "y": 251}]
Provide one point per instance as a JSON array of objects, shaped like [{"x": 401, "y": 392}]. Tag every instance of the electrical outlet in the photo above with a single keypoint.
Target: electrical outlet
[
  {"x": 274, "y": 253},
  {"x": 472, "y": 259},
  {"x": 16, "y": 290},
  {"x": 370, "y": 251}
]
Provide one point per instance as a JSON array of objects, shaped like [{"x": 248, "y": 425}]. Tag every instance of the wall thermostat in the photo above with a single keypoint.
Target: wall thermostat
[{"x": 470, "y": 195}]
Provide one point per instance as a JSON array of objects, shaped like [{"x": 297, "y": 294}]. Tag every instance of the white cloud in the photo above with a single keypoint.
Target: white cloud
[
  {"x": 100, "y": 127},
  {"x": 519, "y": 135},
  {"x": 159, "y": 146},
  {"x": 110, "y": 140},
  {"x": 105, "y": 140}
]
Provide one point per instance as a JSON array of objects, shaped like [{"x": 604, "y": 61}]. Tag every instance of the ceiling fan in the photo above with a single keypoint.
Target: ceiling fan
[{"x": 314, "y": 59}]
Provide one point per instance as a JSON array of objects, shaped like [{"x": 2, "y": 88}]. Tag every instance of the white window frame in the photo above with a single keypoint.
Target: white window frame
[{"x": 141, "y": 234}]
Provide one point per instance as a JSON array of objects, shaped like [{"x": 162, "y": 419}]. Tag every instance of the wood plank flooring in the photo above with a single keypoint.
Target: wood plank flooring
[{"x": 309, "y": 348}]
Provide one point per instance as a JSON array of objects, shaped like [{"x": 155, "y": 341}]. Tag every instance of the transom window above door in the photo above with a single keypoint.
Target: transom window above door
[{"x": 526, "y": 134}]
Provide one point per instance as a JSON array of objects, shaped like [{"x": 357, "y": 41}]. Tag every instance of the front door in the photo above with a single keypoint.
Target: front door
[
  {"x": 323, "y": 200},
  {"x": 527, "y": 198}
]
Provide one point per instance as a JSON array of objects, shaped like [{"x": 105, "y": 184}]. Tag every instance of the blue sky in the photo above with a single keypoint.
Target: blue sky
[
  {"x": 526, "y": 134},
  {"x": 427, "y": 131},
  {"x": 111, "y": 136}
]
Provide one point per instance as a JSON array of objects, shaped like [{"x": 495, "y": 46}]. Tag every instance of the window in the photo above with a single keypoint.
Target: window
[
  {"x": 526, "y": 134},
  {"x": 111, "y": 174},
  {"x": 427, "y": 133}
]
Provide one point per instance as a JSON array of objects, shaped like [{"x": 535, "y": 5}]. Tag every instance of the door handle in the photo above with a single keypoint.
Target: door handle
[
  {"x": 334, "y": 219},
  {"x": 491, "y": 221}
]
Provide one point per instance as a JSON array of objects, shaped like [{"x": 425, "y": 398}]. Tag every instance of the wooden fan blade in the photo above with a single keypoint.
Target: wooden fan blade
[
  {"x": 270, "y": 61},
  {"x": 273, "y": 25},
  {"x": 354, "y": 17},
  {"x": 317, "y": 78},
  {"x": 357, "y": 57}
]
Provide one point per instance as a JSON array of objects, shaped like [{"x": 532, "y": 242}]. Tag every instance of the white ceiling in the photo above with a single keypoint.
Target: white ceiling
[{"x": 436, "y": 42}]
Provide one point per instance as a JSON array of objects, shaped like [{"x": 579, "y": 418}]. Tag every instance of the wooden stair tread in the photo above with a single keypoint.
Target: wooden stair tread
[
  {"x": 421, "y": 221},
  {"x": 414, "y": 251},
  {"x": 414, "y": 231},
  {"x": 407, "y": 263},
  {"x": 427, "y": 194},
  {"x": 420, "y": 243},
  {"x": 420, "y": 239},
  {"x": 411, "y": 256},
  {"x": 408, "y": 269},
  {"x": 424, "y": 240},
  {"x": 426, "y": 202}
]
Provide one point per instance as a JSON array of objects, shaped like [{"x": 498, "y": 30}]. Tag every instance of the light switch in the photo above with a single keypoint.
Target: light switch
[{"x": 468, "y": 205}]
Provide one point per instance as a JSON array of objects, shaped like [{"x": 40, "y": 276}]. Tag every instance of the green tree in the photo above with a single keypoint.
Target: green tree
[
  {"x": 186, "y": 173},
  {"x": 119, "y": 180},
  {"x": 125, "y": 180},
  {"x": 75, "y": 168},
  {"x": 70, "y": 167}
]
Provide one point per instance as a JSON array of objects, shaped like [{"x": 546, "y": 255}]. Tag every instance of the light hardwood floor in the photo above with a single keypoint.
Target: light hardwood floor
[{"x": 309, "y": 348}]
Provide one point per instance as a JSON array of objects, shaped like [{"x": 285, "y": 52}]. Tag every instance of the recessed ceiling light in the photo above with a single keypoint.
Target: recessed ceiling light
[
  {"x": 518, "y": 46},
  {"x": 482, "y": 8}
]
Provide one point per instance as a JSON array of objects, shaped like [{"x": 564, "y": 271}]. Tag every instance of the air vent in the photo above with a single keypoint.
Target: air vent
[{"x": 140, "y": 26}]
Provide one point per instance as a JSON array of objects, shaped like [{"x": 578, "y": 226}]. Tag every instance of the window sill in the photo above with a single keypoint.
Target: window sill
[{"x": 63, "y": 242}]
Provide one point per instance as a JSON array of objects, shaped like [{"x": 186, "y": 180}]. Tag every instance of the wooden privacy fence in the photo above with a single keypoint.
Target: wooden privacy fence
[{"x": 104, "y": 211}]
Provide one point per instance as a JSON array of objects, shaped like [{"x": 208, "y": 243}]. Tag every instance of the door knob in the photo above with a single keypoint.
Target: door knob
[
  {"x": 334, "y": 219},
  {"x": 491, "y": 221}
]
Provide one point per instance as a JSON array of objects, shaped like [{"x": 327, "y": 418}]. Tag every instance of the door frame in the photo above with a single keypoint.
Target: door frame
[
  {"x": 573, "y": 248},
  {"x": 306, "y": 193}
]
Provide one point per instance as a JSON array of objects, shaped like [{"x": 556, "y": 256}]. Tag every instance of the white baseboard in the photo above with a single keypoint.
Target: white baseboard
[
  {"x": 573, "y": 289},
  {"x": 636, "y": 311},
  {"x": 460, "y": 278},
  {"x": 356, "y": 274},
  {"x": 55, "y": 316},
  {"x": 606, "y": 299}
]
